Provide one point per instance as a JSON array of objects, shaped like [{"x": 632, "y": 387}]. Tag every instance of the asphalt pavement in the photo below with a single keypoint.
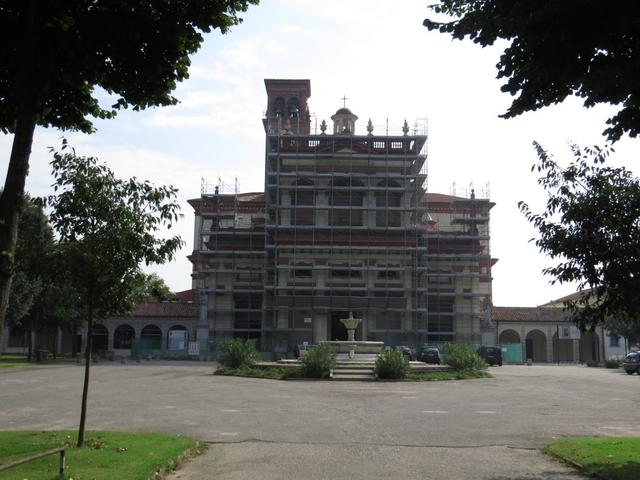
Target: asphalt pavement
[{"x": 478, "y": 429}]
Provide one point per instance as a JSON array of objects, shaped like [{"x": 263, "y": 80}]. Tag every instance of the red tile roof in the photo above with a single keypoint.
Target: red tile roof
[
  {"x": 529, "y": 314},
  {"x": 186, "y": 295},
  {"x": 165, "y": 309}
]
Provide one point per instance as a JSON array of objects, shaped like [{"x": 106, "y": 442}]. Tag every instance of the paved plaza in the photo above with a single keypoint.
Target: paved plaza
[{"x": 480, "y": 429}]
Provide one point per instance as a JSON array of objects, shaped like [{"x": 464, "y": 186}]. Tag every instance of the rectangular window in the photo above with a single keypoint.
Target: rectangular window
[
  {"x": 614, "y": 340},
  {"x": 247, "y": 301},
  {"x": 389, "y": 274},
  {"x": 301, "y": 273},
  {"x": 346, "y": 274}
]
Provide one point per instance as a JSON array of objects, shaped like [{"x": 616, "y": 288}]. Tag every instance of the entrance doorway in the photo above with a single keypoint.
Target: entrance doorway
[{"x": 339, "y": 331}]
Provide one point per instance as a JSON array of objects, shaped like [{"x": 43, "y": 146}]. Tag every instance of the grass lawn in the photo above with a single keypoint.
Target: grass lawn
[
  {"x": 606, "y": 457},
  {"x": 105, "y": 456},
  {"x": 10, "y": 361}
]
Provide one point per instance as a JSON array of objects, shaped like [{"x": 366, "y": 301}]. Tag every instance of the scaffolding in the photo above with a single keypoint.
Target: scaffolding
[{"x": 344, "y": 224}]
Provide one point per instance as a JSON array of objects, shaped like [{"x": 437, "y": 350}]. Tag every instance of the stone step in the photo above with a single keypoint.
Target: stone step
[
  {"x": 353, "y": 376},
  {"x": 358, "y": 371},
  {"x": 358, "y": 366}
]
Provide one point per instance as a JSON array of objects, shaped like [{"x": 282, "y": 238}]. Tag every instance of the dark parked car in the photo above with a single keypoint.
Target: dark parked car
[
  {"x": 406, "y": 351},
  {"x": 429, "y": 355},
  {"x": 632, "y": 363},
  {"x": 491, "y": 355}
]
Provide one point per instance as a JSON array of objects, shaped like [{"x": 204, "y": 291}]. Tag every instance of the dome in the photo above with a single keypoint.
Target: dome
[{"x": 343, "y": 111}]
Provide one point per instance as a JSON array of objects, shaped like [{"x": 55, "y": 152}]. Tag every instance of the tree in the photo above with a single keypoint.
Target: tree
[
  {"x": 56, "y": 52},
  {"x": 624, "y": 328},
  {"x": 34, "y": 251},
  {"x": 152, "y": 285},
  {"x": 590, "y": 49},
  {"x": 591, "y": 225},
  {"x": 107, "y": 228}
]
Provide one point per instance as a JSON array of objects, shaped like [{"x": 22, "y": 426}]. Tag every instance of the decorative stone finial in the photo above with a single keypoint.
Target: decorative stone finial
[
  {"x": 370, "y": 128},
  {"x": 405, "y": 127},
  {"x": 323, "y": 127}
]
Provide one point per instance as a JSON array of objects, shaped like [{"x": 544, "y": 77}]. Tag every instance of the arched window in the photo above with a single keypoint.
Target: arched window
[
  {"x": 151, "y": 337},
  {"x": 123, "y": 337},
  {"x": 278, "y": 107},
  {"x": 293, "y": 107},
  {"x": 99, "y": 338},
  {"x": 177, "y": 338}
]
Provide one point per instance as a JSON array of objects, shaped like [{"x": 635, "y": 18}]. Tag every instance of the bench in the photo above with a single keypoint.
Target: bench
[{"x": 52, "y": 451}]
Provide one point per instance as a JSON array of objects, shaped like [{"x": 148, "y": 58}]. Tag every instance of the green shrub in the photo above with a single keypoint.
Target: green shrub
[
  {"x": 318, "y": 361},
  {"x": 612, "y": 363},
  {"x": 462, "y": 357},
  {"x": 238, "y": 353},
  {"x": 255, "y": 372},
  {"x": 391, "y": 364}
]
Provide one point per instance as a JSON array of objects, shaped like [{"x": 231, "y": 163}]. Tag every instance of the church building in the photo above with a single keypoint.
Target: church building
[{"x": 344, "y": 224}]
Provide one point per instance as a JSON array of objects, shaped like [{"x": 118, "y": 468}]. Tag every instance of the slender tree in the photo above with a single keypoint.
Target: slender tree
[
  {"x": 108, "y": 228},
  {"x": 55, "y": 52}
]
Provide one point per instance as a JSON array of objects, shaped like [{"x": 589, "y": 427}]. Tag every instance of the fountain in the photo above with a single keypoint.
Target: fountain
[
  {"x": 351, "y": 324},
  {"x": 352, "y": 347}
]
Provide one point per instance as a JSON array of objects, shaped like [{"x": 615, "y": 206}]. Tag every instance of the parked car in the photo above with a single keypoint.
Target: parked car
[
  {"x": 406, "y": 350},
  {"x": 429, "y": 355},
  {"x": 491, "y": 355},
  {"x": 632, "y": 363}
]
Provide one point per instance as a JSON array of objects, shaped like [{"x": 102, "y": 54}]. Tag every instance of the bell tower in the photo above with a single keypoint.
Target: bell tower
[{"x": 287, "y": 107}]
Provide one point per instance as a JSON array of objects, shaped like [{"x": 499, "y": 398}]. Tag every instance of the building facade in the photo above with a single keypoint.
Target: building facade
[{"x": 344, "y": 225}]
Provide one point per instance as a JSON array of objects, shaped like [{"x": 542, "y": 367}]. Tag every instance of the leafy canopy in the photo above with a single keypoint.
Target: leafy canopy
[
  {"x": 34, "y": 252},
  {"x": 591, "y": 226},
  {"x": 108, "y": 227},
  {"x": 590, "y": 49},
  {"x": 136, "y": 50}
]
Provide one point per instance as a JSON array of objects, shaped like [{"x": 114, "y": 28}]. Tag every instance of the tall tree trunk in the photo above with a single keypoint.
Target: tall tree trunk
[
  {"x": 74, "y": 341},
  {"x": 11, "y": 200},
  {"x": 85, "y": 388},
  {"x": 30, "y": 344}
]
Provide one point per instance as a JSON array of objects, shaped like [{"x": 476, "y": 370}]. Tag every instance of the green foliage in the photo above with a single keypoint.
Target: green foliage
[
  {"x": 590, "y": 226},
  {"x": 152, "y": 285},
  {"x": 550, "y": 55},
  {"x": 253, "y": 372},
  {"x": 34, "y": 251},
  {"x": 318, "y": 361},
  {"x": 391, "y": 364},
  {"x": 56, "y": 53},
  {"x": 108, "y": 227},
  {"x": 238, "y": 353},
  {"x": 622, "y": 327},
  {"x": 463, "y": 358},
  {"x": 612, "y": 458},
  {"x": 135, "y": 50},
  {"x": 106, "y": 455},
  {"x": 611, "y": 363}
]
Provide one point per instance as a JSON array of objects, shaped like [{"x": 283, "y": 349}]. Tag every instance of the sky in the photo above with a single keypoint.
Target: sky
[{"x": 390, "y": 68}]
